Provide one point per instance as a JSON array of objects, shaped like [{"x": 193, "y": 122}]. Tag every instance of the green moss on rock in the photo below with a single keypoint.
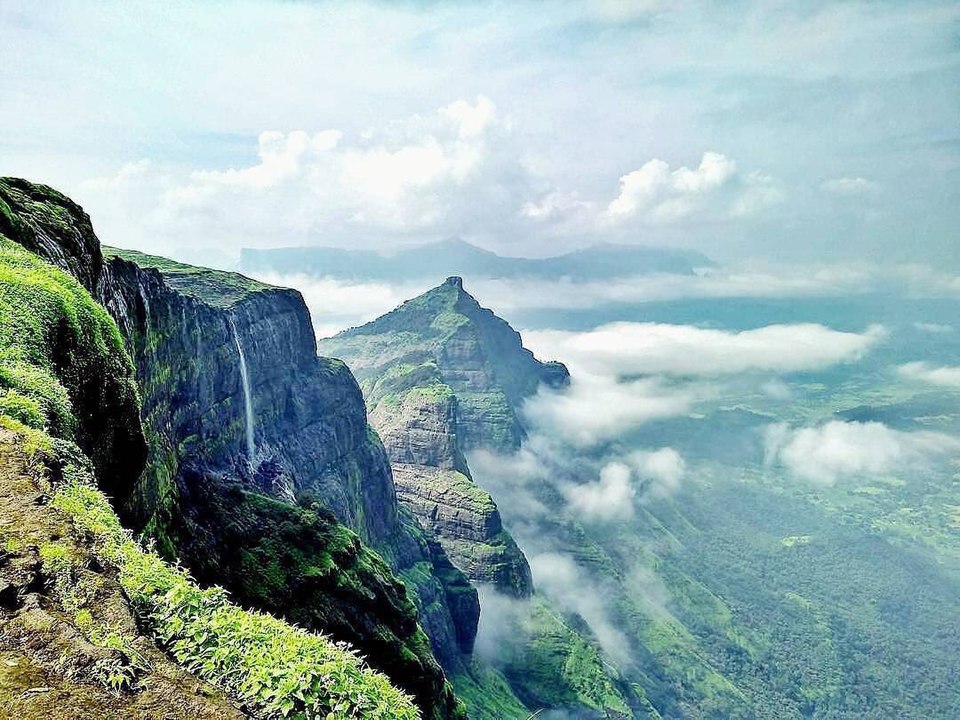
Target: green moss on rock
[
  {"x": 64, "y": 368},
  {"x": 214, "y": 287}
]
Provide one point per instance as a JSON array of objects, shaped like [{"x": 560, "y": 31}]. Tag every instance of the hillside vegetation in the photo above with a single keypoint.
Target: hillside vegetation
[{"x": 56, "y": 341}]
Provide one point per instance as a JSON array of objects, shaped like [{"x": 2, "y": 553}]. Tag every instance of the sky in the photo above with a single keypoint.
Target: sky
[{"x": 787, "y": 131}]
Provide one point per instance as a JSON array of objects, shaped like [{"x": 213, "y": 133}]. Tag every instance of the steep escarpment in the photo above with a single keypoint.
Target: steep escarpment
[
  {"x": 217, "y": 356},
  {"x": 91, "y": 624},
  {"x": 442, "y": 376},
  {"x": 194, "y": 333}
]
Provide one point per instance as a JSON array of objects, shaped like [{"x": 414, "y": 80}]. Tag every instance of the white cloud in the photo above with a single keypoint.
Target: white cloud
[
  {"x": 596, "y": 408},
  {"x": 839, "y": 449},
  {"x": 609, "y": 498},
  {"x": 945, "y": 375},
  {"x": 630, "y": 348},
  {"x": 849, "y": 186},
  {"x": 643, "y": 473},
  {"x": 660, "y": 470},
  {"x": 450, "y": 172},
  {"x": 715, "y": 189}
]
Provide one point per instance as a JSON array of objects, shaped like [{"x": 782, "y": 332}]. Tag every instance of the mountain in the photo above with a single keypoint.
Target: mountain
[
  {"x": 443, "y": 376},
  {"x": 457, "y": 257},
  {"x": 93, "y": 624},
  {"x": 272, "y": 452}
]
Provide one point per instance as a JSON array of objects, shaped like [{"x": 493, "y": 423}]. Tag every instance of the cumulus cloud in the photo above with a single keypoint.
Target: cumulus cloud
[
  {"x": 451, "y": 171},
  {"x": 835, "y": 450},
  {"x": 944, "y": 375},
  {"x": 657, "y": 194},
  {"x": 849, "y": 186},
  {"x": 625, "y": 348},
  {"x": 596, "y": 408}
]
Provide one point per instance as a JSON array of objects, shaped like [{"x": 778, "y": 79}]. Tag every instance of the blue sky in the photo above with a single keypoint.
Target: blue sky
[{"x": 799, "y": 131}]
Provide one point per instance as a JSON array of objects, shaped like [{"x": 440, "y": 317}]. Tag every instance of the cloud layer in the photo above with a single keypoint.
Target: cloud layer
[
  {"x": 624, "y": 348},
  {"x": 945, "y": 375},
  {"x": 837, "y": 450}
]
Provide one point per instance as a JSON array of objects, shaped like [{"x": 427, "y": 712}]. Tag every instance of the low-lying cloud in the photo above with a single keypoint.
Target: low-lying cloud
[
  {"x": 596, "y": 408},
  {"x": 624, "y": 348},
  {"x": 943, "y": 375},
  {"x": 609, "y": 498},
  {"x": 837, "y": 450},
  {"x": 570, "y": 588}
]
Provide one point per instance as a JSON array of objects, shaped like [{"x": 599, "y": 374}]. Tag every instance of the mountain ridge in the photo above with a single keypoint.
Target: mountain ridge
[
  {"x": 442, "y": 376},
  {"x": 455, "y": 256}
]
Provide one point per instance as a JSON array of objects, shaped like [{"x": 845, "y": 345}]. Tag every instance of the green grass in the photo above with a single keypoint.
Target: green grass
[
  {"x": 53, "y": 339},
  {"x": 280, "y": 669},
  {"x": 214, "y": 287}
]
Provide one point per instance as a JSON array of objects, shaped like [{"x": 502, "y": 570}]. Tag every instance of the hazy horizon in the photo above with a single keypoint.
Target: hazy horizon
[{"x": 812, "y": 133}]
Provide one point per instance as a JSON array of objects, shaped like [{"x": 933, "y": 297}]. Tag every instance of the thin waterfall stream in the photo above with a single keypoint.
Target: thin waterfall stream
[{"x": 247, "y": 399}]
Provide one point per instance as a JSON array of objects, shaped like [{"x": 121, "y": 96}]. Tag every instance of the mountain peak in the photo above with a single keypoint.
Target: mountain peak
[{"x": 454, "y": 281}]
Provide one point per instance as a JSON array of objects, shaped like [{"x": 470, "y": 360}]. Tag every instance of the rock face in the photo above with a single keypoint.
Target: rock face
[
  {"x": 442, "y": 376},
  {"x": 310, "y": 434},
  {"x": 316, "y": 461},
  {"x": 187, "y": 328},
  {"x": 103, "y": 398}
]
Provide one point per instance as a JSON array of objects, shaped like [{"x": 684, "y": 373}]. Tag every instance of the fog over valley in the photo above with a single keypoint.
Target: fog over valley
[{"x": 592, "y": 360}]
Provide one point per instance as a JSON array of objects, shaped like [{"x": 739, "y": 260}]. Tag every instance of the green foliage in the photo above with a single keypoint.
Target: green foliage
[
  {"x": 280, "y": 669},
  {"x": 214, "y": 287},
  {"x": 54, "y": 341}
]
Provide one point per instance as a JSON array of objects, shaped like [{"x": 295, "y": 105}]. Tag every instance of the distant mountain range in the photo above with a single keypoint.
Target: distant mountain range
[{"x": 458, "y": 257}]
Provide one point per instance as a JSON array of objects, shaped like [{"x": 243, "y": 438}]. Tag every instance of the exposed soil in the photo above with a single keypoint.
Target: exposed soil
[{"x": 49, "y": 668}]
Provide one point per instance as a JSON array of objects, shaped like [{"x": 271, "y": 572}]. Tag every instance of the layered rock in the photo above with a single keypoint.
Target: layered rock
[
  {"x": 314, "y": 452},
  {"x": 441, "y": 376}
]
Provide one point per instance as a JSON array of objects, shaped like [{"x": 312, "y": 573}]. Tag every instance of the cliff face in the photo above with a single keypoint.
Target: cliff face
[
  {"x": 293, "y": 431},
  {"x": 186, "y": 328},
  {"x": 239, "y": 413},
  {"x": 441, "y": 376}
]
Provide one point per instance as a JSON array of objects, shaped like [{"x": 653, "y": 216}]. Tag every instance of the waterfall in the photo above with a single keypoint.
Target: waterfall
[{"x": 247, "y": 399}]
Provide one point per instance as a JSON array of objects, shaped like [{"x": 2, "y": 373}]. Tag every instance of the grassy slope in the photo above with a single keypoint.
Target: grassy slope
[
  {"x": 50, "y": 330},
  {"x": 214, "y": 287}
]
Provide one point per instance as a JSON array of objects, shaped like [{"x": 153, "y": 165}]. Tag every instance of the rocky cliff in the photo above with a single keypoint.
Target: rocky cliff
[
  {"x": 92, "y": 624},
  {"x": 240, "y": 413},
  {"x": 441, "y": 376}
]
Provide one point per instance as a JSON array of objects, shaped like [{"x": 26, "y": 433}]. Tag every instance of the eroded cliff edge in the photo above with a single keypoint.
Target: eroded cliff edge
[
  {"x": 316, "y": 462},
  {"x": 443, "y": 376}
]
